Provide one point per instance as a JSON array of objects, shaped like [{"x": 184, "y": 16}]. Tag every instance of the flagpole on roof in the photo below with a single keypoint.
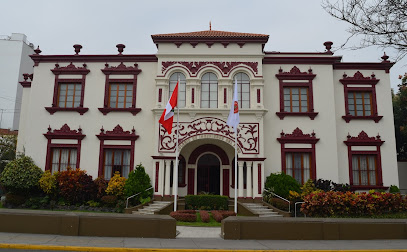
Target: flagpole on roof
[{"x": 175, "y": 181}]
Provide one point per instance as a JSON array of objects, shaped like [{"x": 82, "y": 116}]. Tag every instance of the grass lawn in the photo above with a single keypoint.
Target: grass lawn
[{"x": 212, "y": 222}]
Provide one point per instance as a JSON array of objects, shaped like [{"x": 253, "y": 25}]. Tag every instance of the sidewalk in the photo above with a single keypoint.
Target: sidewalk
[{"x": 189, "y": 238}]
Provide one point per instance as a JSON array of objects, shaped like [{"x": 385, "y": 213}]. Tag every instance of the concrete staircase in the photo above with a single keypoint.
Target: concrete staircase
[
  {"x": 151, "y": 208},
  {"x": 262, "y": 211}
]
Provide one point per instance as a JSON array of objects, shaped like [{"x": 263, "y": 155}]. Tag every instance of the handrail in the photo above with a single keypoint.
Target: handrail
[
  {"x": 132, "y": 196},
  {"x": 278, "y": 196},
  {"x": 295, "y": 206}
]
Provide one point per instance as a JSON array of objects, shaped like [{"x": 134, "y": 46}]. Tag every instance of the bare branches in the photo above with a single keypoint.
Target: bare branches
[{"x": 380, "y": 23}]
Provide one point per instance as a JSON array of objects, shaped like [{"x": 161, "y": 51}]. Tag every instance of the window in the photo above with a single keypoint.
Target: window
[
  {"x": 364, "y": 170},
  {"x": 69, "y": 95},
  {"x": 63, "y": 158},
  {"x": 181, "y": 89},
  {"x": 116, "y": 160},
  {"x": 243, "y": 90},
  {"x": 296, "y": 99},
  {"x": 296, "y": 95},
  {"x": 120, "y": 95},
  {"x": 298, "y": 166},
  {"x": 360, "y": 97},
  {"x": 209, "y": 91}
]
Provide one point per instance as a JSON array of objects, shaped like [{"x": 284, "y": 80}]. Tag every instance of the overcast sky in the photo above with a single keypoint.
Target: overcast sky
[{"x": 293, "y": 25}]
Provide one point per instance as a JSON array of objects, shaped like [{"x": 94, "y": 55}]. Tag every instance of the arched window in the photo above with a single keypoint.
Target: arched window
[
  {"x": 209, "y": 91},
  {"x": 243, "y": 89},
  {"x": 181, "y": 92}
]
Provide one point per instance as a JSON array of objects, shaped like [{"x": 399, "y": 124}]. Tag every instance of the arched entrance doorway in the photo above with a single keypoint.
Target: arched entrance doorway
[{"x": 208, "y": 167}]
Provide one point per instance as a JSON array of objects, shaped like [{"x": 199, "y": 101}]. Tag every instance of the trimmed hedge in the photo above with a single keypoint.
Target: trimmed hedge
[
  {"x": 204, "y": 216},
  {"x": 327, "y": 204},
  {"x": 220, "y": 215},
  {"x": 206, "y": 202},
  {"x": 183, "y": 216}
]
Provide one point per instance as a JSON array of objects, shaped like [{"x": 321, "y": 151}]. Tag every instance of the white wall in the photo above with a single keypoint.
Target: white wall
[{"x": 402, "y": 172}]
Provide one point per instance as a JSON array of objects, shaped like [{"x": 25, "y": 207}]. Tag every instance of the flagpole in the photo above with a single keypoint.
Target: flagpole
[
  {"x": 236, "y": 170},
  {"x": 175, "y": 183}
]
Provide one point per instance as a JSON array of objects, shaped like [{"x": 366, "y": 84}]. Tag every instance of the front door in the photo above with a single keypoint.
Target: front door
[{"x": 208, "y": 174}]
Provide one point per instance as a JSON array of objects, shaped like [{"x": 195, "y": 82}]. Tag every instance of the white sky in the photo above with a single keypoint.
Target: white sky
[{"x": 98, "y": 25}]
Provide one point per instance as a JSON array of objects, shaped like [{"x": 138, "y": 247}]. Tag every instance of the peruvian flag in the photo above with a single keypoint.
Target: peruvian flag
[
  {"x": 168, "y": 115},
  {"x": 233, "y": 119}
]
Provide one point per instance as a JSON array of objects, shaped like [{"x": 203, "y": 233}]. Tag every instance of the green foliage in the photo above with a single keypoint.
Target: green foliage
[
  {"x": 206, "y": 202},
  {"x": 21, "y": 176},
  {"x": 37, "y": 202},
  {"x": 75, "y": 186},
  {"x": 281, "y": 184},
  {"x": 308, "y": 188},
  {"x": 400, "y": 118},
  {"x": 92, "y": 203},
  {"x": 138, "y": 182},
  {"x": 116, "y": 185},
  {"x": 8, "y": 145},
  {"x": 394, "y": 189},
  {"x": 48, "y": 183}
]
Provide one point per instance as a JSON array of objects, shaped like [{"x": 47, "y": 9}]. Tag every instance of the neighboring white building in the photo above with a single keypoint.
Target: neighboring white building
[
  {"x": 15, "y": 60},
  {"x": 307, "y": 114}
]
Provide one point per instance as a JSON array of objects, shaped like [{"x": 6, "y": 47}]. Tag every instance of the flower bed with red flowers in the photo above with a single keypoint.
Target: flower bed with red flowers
[
  {"x": 220, "y": 215},
  {"x": 328, "y": 204},
  {"x": 204, "y": 216},
  {"x": 184, "y": 215}
]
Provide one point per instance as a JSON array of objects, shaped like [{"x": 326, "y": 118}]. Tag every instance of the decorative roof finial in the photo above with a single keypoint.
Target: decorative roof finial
[{"x": 210, "y": 25}]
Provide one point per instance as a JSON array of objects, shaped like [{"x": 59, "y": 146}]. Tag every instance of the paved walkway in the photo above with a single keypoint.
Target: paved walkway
[{"x": 189, "y": 238}]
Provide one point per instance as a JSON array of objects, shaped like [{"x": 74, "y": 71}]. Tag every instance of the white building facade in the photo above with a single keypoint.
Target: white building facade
[
  {"x": 15, "y": 51},
  {"x": 306, "y": 114}
]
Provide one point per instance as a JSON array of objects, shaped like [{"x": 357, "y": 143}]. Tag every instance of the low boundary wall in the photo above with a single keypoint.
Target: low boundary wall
[
  {"x": 254, "y": 228},
  {"x": 87, "y": 224}
]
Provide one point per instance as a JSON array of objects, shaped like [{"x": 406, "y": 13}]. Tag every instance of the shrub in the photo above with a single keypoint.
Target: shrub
[
  {"x": 182, "y": 216},
  {"x": 109, "y": 200},
  {"x": 204, "y": 216},
  {"x": 75, "y": 186},
  {"x": 138, "y": 182},
  {"x": 220, "y": 215},
  {"x": 308, "y": 188},
  {"x": 394, "y": 189},
  {"x": 48, "y": 183},
  {"x": 21, "y": 176},
  {"x": 281, "y": 184},
  {"x": 116, "y": 185},
  {"x": 15, "y": 199},
  {"x": 326, "y": 204},
  {"x": 328, "y": 185},
  {"x": 101, "y": 186},
  {"x": 206, "y": 202}
]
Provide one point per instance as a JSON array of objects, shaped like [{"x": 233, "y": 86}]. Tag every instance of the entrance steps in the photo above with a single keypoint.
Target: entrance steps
[
  {"x": 261, "y": 210},
  {"x": 151, "y": 208}
]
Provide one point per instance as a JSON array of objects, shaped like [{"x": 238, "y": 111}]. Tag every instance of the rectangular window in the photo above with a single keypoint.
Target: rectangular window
[
  {"x": 298, "y": 166},
  {"x": 63, "y": 158},
  {"x": 120, "y": 95},
  {"x": 69, "y": 95},
  {"x": 116, "y": 161},
  {"x": 360, "y": 103},
  {"x": 296, "y": 99},
  {"x": 364, "y": 169}
]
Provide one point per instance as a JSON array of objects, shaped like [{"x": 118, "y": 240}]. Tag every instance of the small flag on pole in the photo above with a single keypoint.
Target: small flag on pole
[
  {"x": 233, "y": 119},
  {"x": 167, "y": 116}
]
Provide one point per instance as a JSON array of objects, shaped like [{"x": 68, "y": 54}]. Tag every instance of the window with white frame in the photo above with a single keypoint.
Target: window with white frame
[
  {"x": 181, "y": 88},
  {"x": 243, "y": 89},
  {"x": 209, "y": 91}
]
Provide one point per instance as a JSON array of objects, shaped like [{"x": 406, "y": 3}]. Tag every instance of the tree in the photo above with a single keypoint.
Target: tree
[
  {"x": 400, "y": 118},
  {"x": 138, "y": 182},
  {"x": 381, "y": 23},
  {"x": 7, "y": 150}
]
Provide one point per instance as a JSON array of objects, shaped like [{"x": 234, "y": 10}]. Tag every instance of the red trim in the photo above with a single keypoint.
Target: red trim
[
  {"x": 251, "y": 159},
  {"x": 191, "y": 181},
  {"x": 292, "y": 53},
  {"x": 160, "y": 94},
  {"x": 157, "y": 170},
  {"x": 370, "y": 83},
  {"x": 116, "y": 134},
  {"x": 64, "y": 133},
  {"x": 120, "y": 70},
  {"x": 302, "y": 60},
  {"x": 70, "y": 69},
  {"x": 299, "y": 137},
  {"x": 355, "y": 187},
  {"x": 224, "y": 95},
  {"x": 25, "y": 83},
  {"x": 163, "y": 157},
  {"x": 258, "y": 95},
  {"x": 226, "y": 183},
  {"x": 93, "y": 58},
  {"x": 208, "y": 148},
  {"x": 296, "y": 74},
  {"x": 259, "y": 181},
  {"x": 365, "y": 66}
]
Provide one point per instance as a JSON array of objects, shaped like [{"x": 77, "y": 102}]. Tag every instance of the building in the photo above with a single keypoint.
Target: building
[
  {"x": 15, "y": 51},
  {"x": 307, "y": 114}
]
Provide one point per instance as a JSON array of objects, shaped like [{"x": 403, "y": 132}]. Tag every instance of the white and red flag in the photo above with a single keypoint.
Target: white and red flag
[
  {"x": 167, "y": 116},
  {"x": 233, "y": 119}
]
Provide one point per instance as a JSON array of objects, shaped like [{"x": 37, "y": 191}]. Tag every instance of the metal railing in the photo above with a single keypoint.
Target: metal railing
[
  {"x": 132, "y": 196},
  {"x": 295, "y": 206},
  {"x": 278, "y": 196}
]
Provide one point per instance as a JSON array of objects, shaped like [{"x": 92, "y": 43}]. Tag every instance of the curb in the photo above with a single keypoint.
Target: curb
[{"x": 117, "y": 249}]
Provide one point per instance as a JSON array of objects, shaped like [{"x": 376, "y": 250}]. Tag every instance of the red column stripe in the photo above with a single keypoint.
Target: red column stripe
[
  {"x": 259, "y": 178},
  {"x": 157, "y": 169}
]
